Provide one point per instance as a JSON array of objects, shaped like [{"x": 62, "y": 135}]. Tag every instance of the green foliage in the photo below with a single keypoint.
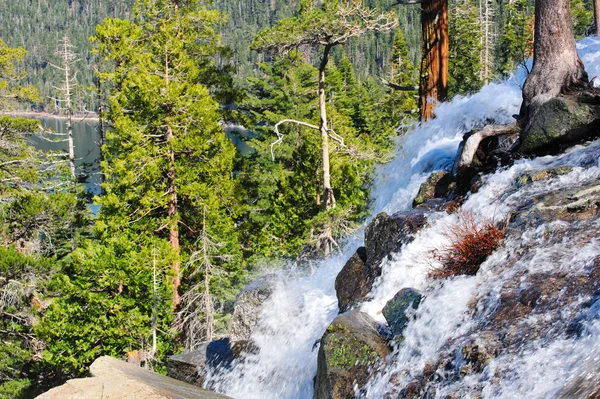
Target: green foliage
[
  {"x": 330, "y": 23},
  {"x": 399, "y": 105},
  {"x": 582, "y": 15},
  {"x": 464, "y": 64},
  {"x": 282, "y": 207},
  {"x": 22, "y": 284},
  {"x": 38, "y": 26},
  {"x": 104, "y": 305},
  {"x": 515, "y": 42},
  {"x": 166, "y": 159}
]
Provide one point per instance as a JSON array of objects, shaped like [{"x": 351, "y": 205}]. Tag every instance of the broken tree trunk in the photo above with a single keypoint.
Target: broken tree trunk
[
  {"x": 434, "y": 64},
  {"x": 469, "y": 147},
  {"x": 556, "y": 66}
]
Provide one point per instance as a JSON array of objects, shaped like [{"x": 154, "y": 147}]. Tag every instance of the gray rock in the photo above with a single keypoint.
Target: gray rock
[
  {"x": 354, "y": 281},
  {"x": 438, "y": 185},
  {"x": 398, "y": 310},
  {"x": 561, "y": 121},
  {"x": 191, "y": 367},
  {"x": 115, "y": 379},
  {"x": 383, "y": 236},
  {"x": 248, "y": 306},
  {"x": 386, "y": 235},
  {"x": 351, "y": 350}
]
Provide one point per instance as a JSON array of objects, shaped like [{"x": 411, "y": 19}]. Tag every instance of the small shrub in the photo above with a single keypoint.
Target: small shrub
[{"x": 470, "y": 245}]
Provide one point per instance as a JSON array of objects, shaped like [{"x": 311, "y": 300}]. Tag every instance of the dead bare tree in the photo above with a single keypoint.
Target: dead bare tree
[
  {"x": 64, "y": 102},
  {"x": 195, "y": 319}
]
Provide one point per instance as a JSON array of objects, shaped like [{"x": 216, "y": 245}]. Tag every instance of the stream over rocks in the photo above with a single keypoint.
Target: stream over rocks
[{"x": 527, "y": 324}]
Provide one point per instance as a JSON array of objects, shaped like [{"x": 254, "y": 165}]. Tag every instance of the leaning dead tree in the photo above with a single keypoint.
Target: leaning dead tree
[
  {"x": 433, "y": 86},
  {"x": 556, "y": 65},
  {"x": 66, "y": 51},
  {"x": 331, "y": 24}
]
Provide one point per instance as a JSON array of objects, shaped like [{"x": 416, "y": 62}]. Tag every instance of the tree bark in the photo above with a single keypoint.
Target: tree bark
[
  {"x": 208, "y": 308},
  {"x": 67, "y": 61},
  {"x": 597, "y": 16},
  {"x": 172, "y": 205},
  {"x": 328, "y": 198},
  {"x": 434, "y": 64},
  {"x": 556, "y": 66}
]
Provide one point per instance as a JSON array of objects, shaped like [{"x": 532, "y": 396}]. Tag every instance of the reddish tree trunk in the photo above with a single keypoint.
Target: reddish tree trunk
[
  {"x": 434, "y": 64},
  {"x": 597, "y": 16},
  {"x": 556, "y": 66}
]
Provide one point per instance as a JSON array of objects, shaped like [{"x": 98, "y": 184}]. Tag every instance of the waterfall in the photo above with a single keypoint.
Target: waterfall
[{"x": 297, "y": 314}]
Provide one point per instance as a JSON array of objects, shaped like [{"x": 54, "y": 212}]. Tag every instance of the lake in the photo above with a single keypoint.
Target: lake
[{"x": 86, "y": 139}]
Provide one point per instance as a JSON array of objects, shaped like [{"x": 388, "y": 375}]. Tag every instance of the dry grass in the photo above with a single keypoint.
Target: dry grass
[{"x": 470, "y": 245}]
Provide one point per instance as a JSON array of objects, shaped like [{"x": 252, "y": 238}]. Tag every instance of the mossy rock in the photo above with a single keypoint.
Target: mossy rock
[
  {"x": 438, "y": 185},
  {"x": 559, "y": 122},
  {"x": 398, "y": 311},
  {"x": 540, "y": 175},
  {"x": 351, "y": 349}
]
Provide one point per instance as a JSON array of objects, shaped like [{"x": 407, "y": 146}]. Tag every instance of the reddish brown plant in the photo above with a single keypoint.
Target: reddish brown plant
[{"x": 470, "y": 245}]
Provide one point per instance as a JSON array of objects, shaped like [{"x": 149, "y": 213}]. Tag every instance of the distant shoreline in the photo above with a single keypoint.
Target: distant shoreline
[{"x": 92, "y": 116}]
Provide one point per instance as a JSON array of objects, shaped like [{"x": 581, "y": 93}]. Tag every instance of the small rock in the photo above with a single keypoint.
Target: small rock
[
  {"x": 478, "y": 351},
  {"x": 438, "y": 185},
  {"x": 351, "y": 350},
  {"x": 400, "y": 308}
]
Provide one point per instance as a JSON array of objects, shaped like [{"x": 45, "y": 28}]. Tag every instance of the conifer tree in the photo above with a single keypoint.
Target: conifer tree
[
  {"x": 401, "y": 102},
  {"x": 325, "y": 26},
  {"x": 515, "y": 42},
  {"x": 465, "y": 47},
  {"x": 167, "y": 156}
]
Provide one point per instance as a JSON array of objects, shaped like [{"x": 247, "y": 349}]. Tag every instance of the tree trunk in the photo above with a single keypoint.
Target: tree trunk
[
  {"x": 597, "y": 16},
  {"x": 101, "y": 129},
  {"x": 328, "y": 198},
  {"x": 434, "y": 64},
  {"x": 172, "y": 205},
  {"x": 556, "y": 66},
  {"x": 208, "y": 307},
  {"x": 67, "y": 53}
]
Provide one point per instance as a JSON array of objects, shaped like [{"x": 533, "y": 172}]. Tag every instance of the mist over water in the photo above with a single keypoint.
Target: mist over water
[{"x": 303, "y": 306}]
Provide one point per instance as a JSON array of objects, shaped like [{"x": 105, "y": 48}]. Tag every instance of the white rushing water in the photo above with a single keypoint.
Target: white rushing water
[{"x": 296, "y": 316}]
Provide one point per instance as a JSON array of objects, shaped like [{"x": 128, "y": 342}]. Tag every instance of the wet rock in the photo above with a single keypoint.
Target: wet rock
[
  {"x": 354, "y": 281},
  {"x": 191, "y": 367},
  {"x": 115, "y": 379},
  {"x": 478, "y": 351},
  {"x": 248, "y": 306},
  {"x": 576, "y": 203},
  {"x": 560, "y": 122},
  {"x": 400, "y": 309},
  {"x": 351, "y": 350},
  {"x": 386, "y": 235},
  {"x": 438, "y": 185},
  {"x": 540, "y": 175}
]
